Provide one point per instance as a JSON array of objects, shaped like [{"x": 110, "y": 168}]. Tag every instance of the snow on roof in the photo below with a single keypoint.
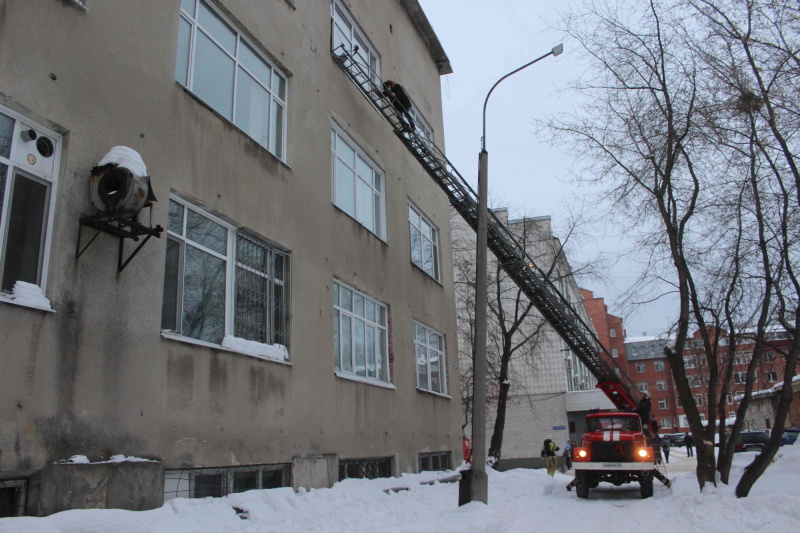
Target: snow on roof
[{"x": 125, "y": 157}]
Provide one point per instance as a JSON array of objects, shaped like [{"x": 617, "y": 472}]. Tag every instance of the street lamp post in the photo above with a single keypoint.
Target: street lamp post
[{"x": 480, "y": 481}]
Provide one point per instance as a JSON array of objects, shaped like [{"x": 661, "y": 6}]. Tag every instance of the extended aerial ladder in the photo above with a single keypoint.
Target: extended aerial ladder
[{"x": 511, "y": 255}]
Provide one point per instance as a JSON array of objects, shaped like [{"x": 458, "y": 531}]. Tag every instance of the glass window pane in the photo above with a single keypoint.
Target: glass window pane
[
  {"x": 175, "y": 217},
  {"x": 346, "y": 296},
  {"x": 364, "y": 211},
  {"x": 25, "y": 231},
  {"x": 335, "y": 294},
  {"x": 276, "y": 139},
  {"x": 422, "y": 367},
  {"x": 435, "y": 377},
  {"x": 370, "y": 311},
  {"x": 3, "y": 177},
  {"x": 382, "y": 315},
  {"x": 337, "y": 349},
  {"x": 217, "y": 28},
  {"x": 188, "y": 6},
  {"x": 280, "y": 316},
  {"x": 371, "y": 366},
  {"x": 416, "y": 246},
  {"x": 358, "y": 304},
  {"x": 360, "y": 349},
  {"x": 347, "y": 345},
  {"x": 206, "y": 233},
  {"x": 433, "y": 339},
  {"x": 378, "y": 216},
  {"x": 184, "y": 42},
  {"x": 172, "y": 269},
  {"x": 243, "y": 481},
  {"x": 251, "y": 308},
  {"x": 250, "y": 59},
  {"x": 279, "y": 86},
  {"x": 364, "y": 170},
  {"x": 281, "y": 264},
  {"x": 203, "y": 296},
  {"x": 345, "y": 188},
  {"x": 347, "y": 154},
  {"x": 252, "y": 108},
  {"x": 419, "y": 334},
  {"x": 427, "y": 257},
  {"x": 6, "y": 130},
  {"x": 213, "y": 76},
  {"x": 426, "y": 229},
  {"x": 413, "y": 216},
  {"x": 383, "y": 364}
]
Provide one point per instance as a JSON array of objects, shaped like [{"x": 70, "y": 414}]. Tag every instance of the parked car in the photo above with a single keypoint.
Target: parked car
[
  {"x": 675, "y": 439},
  {"x": 751, "y": 441},
  {"x": 789, "y": 436}
]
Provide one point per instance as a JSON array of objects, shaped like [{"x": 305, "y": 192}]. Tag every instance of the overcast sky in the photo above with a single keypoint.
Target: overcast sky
[{"x": 486, "y": 39}]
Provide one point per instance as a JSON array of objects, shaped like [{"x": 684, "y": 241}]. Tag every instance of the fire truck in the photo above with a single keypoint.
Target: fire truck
[{"x": 615, "y": 448}]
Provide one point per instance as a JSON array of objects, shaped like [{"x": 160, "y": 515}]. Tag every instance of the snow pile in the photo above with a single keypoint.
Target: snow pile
[
  {"x": 30, "y": 295},
  {"x": 520, "y": 501},
  {"x": 277, "y": 352},
  {"x": 125, "y": 157}
]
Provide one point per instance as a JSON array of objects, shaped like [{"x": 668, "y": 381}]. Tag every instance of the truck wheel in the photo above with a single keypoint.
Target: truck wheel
[
  {"x": 582, "y": 484},
  {"x": 646, "y": 484}
]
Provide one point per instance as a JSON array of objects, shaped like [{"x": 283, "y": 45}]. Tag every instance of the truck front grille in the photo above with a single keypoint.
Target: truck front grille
[{"x": 612, "y": 451}]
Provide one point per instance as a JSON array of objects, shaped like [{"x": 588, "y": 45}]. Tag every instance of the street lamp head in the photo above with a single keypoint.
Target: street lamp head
[{"x": 557, "y": 49}]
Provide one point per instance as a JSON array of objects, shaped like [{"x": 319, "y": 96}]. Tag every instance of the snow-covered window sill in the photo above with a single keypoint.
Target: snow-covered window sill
[
  {"x": 439, "y": 394},
  {"x": 9, "y": 299},
  {"x": 188, "y": 340},
  {"x": 368, "y": 381}
]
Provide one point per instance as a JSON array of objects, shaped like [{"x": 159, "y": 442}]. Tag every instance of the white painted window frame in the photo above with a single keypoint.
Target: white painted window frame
[
  {"x": 191, "y": 19},
  {"x": 414, "y": 213},
  {"x": 51, "y": 180},
  {"x": 428, "y": 348}
]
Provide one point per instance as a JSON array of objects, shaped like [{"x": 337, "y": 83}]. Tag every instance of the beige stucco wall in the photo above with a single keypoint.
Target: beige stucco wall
[{"x": 96, "y": 377}]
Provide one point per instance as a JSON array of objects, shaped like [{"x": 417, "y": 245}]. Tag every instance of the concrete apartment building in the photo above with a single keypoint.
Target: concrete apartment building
[
  {"x": 293, "y": 323},
  {"x": 549, "y": 386},
  {"x": 651, "y": 371}
]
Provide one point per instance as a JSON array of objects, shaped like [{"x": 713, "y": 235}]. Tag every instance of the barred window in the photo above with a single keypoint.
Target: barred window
[
  {"x": 435, "y": 461},
  {"x": 365, "y": 468},
  {"x": 212, "y": 266},
  {"x": 221, "y": 481}
]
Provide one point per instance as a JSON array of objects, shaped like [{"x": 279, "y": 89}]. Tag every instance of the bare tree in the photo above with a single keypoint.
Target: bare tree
[{"x": 691, "y": 127}]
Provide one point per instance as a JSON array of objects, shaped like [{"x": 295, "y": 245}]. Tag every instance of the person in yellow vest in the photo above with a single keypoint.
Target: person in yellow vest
[{"x": 549, "y": 449}]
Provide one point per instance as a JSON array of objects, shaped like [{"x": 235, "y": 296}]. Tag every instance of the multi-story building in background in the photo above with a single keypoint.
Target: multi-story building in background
[
  {"x": 548, "y": 386},
  {"x": 292, "y": 320},
  {"x": 650, "y": 370}
]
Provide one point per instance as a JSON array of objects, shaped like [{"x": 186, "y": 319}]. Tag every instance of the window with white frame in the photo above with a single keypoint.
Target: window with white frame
[
  {"x": 612, "y": 332},
  {"x": 769, "y": 357},
  {"x": 732, "y": 415},
  {"x": 429, "y": 348},
  {"x": 642, "y": 386},
  {"x": 772, "y": 377},
  {"x": 228, "y": 73},
  {"x": 663, "y": 404},
  {"x": 740, "y": 377},
  {"x": 222, "y": 282},
  {"x": 658, "y": 366},
  {"x": 29, "y": 159},
  {"x": 350, "y": 39},
  {"x": 360, "y": 335},
  {"x": 424, "y": 243},
  {"x": 614, "y": 352},
  {"x": 666, "y": 423},
  {"x": 689, "y": 362},
  {"x": 641, "y": 367},
  {"x": 661, "y": 385},
  {"x": 698, "y": 400},
  {"x": 357, "y": 184},
  {"x": 694, "y": 381}
]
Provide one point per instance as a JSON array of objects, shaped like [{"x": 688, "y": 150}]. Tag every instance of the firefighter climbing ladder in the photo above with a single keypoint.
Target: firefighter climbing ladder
[{"x": 534, "y": 283}]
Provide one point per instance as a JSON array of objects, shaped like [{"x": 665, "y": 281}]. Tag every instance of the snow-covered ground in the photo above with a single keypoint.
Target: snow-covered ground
[{"x": 520, "y": 501}]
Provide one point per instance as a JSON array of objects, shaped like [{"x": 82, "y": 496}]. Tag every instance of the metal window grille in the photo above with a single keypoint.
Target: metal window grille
[
  {"x": 13, "y": 497},
  {"x": 365, "y": 468},
  {"x": 262, "y": 275},
  {"x": 221, "y": 481},
  {"x": 436, "y": 461}
]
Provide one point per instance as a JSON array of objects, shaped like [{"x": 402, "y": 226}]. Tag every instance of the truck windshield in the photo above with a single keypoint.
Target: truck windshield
[{"x": 612, "y": 423}]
